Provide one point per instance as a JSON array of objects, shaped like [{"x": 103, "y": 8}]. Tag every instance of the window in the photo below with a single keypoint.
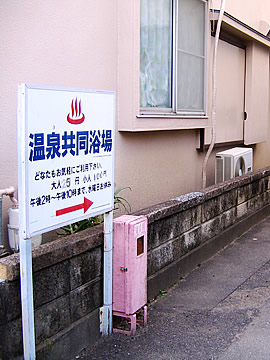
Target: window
[
  {"x": 140, "y": 245},
  {"x": 172, "y": 56}
]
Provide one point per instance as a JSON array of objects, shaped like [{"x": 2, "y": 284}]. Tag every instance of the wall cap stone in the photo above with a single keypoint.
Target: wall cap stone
[
  {"x": 186, "y": 201},
  {"x": 53, "y": 252}
]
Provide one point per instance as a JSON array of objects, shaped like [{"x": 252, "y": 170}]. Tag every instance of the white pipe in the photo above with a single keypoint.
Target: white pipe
[
  {"x": 6, "y": 192},
  {"x": 9, "y": 192},
  {"x": 107, "y": 273},
  {"x": 214, "y": 94},
  {"x": 27, "y": 302}
]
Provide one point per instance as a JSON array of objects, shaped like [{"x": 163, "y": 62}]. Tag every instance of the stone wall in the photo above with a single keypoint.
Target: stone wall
[
  {"x": 67, "y": 286},
  {"x": 185, "y": 231},
  {"x": 182, "y": 233}
]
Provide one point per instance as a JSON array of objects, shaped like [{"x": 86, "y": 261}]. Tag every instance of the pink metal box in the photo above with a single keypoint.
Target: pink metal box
[{"x": 129, "y": 264}]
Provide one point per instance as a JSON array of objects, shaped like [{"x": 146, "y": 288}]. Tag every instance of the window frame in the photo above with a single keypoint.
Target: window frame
[
  {"x": 173, "y": 111},
  {"x": 130, "y": 117}
]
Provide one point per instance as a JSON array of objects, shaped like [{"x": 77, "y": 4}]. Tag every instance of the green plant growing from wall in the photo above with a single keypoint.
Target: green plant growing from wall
[{"x": 119, "y": 202}]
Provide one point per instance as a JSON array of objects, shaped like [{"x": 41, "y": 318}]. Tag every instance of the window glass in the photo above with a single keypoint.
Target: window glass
[
  {"x": 172, "y": 63},
  {"x": 191, "y": 20},
  {"x": 190, "y": 85},
  {"x": 156, "y": 53},
  {"x": 190, "y": 55}
]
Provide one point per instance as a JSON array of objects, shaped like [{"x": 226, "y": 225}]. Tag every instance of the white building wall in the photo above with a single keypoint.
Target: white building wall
[
  {"x": 254, "y": 13},
  {"x": 60, "y": 43}
]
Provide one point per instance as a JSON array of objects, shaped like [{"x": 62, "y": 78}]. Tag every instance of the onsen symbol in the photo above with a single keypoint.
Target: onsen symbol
[{"x": 76, "y": 117}]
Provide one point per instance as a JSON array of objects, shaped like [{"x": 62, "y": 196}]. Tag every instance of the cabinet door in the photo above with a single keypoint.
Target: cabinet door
[
  {"x": 136, "y": 295},
  {"x": 120, "y": 256}
]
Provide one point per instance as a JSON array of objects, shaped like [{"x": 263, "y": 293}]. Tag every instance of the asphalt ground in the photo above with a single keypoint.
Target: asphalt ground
[{"x": 221, "y": 310}]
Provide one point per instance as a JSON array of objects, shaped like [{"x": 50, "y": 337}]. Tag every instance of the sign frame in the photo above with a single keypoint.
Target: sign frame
[
  {"x": 25, "y": 91},
  {"x": 26, "y": 271}
]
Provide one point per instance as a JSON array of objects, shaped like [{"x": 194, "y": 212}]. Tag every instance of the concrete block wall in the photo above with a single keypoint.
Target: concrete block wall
[
  {"x": 67, "y": 286},
  {"x": 182, "y": 233},
  {"x": 189, "y": 229}
]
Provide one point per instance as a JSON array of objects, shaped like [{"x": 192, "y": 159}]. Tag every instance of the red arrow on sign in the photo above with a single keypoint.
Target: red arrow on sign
[{"x": 85, "y": 205}]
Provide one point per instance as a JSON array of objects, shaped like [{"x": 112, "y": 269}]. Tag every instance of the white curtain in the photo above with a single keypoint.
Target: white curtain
[{"x": 156, "y": 53}]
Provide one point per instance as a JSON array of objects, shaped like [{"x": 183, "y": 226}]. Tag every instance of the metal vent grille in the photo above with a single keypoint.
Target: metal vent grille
[
  {"x": 219, "y": 169},
  {"x": 227, "y": 172}
]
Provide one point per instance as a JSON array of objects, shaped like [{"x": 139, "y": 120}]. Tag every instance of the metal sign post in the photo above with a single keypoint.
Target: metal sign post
[
  {"x": 106, "y": 310},
  {"x": 27, "y": 298},
  {"x": 65, "y": 172},
  {"x": 25, "y": 245}
]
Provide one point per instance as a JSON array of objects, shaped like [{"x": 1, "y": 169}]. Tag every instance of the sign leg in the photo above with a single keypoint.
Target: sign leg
[
  {"x": 27, "y": 299},
  {"x": 106, "y": 311}
]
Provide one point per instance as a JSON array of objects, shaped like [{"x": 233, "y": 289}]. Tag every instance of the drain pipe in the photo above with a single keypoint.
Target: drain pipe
[
  {"x": 5, "y": 192},
  {"x": 214, "y": 95}
]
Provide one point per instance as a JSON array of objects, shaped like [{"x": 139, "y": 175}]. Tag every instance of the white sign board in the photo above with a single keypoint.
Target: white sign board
[{"x": 66, "y": 155}]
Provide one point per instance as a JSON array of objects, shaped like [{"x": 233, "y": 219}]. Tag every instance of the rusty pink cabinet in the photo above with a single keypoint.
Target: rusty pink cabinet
[{"x": 130, "y": 267}]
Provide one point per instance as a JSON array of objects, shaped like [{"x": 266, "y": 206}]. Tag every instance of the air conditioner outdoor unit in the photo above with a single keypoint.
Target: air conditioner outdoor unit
[{"x": 233, "y": 162}]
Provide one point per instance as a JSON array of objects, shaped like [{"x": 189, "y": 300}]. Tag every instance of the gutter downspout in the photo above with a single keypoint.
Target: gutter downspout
[
  {"x": 6, "y": 192},
  {"x": 214, "y": 95}
]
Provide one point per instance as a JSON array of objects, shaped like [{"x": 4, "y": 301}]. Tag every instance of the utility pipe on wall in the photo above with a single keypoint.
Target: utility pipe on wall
[
  {"x": 214, "y": 94},
  {"x": 6, "y": 192},
  {"x": 9, "y": 192}
]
